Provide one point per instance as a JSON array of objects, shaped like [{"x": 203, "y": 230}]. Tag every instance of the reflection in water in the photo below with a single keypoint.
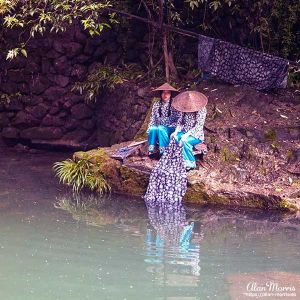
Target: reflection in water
[
  {"x": 171, "y": 247},
  {"x": 47, "y": 254}
]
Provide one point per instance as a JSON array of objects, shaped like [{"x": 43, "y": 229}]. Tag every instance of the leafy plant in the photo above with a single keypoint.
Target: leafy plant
[
  {"x": 7, "y": 98},
  {"x": 80, "y": 174},
  {"x": 106, "y": 76},
  {"x": 294, "y": 78},
  {"x": 41, "y": 16}
]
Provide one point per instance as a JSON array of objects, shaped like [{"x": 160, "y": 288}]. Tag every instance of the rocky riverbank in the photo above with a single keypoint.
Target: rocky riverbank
[{"x": 253, "y": 160}]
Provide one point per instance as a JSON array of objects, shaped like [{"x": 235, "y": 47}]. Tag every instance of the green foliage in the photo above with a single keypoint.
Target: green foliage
[
  {"x": 7, "y": 98},
  {"x": 39, "y": 16},
  {"x": 270, "y": 135},
  {"x": 88, "y": 208},
  {"x": 228, "y": 156},
  {"x": 294, "y": 78},
  {"x": 80, "y": 174},
  {"x": 106, "y": 76}
]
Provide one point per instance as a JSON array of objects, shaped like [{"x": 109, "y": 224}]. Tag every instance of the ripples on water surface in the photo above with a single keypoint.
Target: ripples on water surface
[{"x": 116, "y": 249}]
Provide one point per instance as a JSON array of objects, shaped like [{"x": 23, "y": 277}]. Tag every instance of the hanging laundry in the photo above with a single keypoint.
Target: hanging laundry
[
  {"x": 238, "y": 65},
  {"x": 168, "y": 180}
]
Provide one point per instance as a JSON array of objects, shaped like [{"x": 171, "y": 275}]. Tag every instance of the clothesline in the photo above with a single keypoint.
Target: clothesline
[{"x": 179, "y": 30}]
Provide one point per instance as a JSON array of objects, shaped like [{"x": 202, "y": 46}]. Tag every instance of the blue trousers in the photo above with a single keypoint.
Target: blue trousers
[
  {"x": 159, "y": 135},
  {"x": 188, "y": 156}
]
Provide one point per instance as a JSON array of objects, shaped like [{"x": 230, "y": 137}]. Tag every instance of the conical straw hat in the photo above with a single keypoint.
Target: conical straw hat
[
  {"x": 165, "y": 87},
  {"x": 189, "y": 101}
]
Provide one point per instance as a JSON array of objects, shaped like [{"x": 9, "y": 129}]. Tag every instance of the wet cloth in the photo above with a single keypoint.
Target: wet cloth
[
  {"x": 239, "y": 65},
  {"x": 168, "y": 180},
  {"x": 159, "y": 135},
  {"x": 187, "y": 151}
]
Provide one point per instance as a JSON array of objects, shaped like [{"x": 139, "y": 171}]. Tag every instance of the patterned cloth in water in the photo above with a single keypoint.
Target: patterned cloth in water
[
  {"x": 168, "y": 180},
  {"x": 238, "y": 65}
]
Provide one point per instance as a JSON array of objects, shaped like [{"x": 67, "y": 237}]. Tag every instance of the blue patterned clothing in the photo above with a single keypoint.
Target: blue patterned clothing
[
  {"x": 163, "y": 118},
  {"x": 161, "y": 125},
  {"x": 193, "y": 123},
  {"x": 159, "y": 135},
  {"x": 188, "y": 145}
]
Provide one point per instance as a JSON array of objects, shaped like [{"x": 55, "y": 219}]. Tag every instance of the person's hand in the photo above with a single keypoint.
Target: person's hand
[
  {"x": 184, "y": 137},
  {"x": 173, "y": 134}
]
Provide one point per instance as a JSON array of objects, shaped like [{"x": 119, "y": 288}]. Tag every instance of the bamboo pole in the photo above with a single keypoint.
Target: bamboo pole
[{"x": 174, "y": 29}]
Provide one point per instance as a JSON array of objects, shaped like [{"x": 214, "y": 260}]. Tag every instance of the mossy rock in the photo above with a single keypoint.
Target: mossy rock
[
  {"x": 134, "y": 181},
  {"x": 142, "y": 134},
  {"x": 129, "y": 179},
  {"x": 229, "y": 156},
  {"x": 108, "y": 167},
  {"x": 196, "y": 193}
]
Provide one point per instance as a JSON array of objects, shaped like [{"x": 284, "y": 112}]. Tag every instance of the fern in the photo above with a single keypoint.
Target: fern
[{"x": 80, "y": 174}]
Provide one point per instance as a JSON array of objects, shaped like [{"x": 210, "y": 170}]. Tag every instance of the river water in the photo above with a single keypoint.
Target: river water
[{"x": 56, "y": 245}]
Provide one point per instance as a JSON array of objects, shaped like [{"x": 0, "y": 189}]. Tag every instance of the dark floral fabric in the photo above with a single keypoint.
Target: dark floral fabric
[
  {"x": 163, "y": 118},
  {"x": 193, "y": 123},
  {"x": 168, "y": 180},
  {"x": 239, "y": 65}
]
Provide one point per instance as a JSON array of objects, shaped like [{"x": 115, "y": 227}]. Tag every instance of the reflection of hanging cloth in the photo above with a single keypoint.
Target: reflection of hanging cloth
[
  {"x": 238, "y": 65},
  {"x": 168, "y": 181}
]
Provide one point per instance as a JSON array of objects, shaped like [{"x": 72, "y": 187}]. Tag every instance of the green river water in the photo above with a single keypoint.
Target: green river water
[{"x": 115, "y": 249}]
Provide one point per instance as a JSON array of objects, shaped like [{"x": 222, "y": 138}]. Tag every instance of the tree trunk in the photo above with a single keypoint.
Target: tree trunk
[{"x": 166, "y": 56}]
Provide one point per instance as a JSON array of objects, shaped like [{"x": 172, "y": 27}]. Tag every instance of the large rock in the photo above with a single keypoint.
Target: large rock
[
  {"x": 10, "y": 133},
  {"x": 40, "y": 133},
  {"x": 72, "y": 98},
  {"x": 54, "y": 121},
  {"x": 4, "y": 120},
  {"x": 132, "y": 178},
  {"x": 81, "y": 111},
  {"x": 54, "y": 93},
  {"x": 32, "y": 67},
  {"x": 88, "y": 124},
  {"x": 60, "y": 80},
  {"x": 39, "y": 84},
  {"x": 9, "y": 87},
  {"x": 72, "y": 124},
  {"x": 24, "y": 119},
  {"x": 16, "y": 76},
  {"x": 62, "y": 66},
  {"x": 70, "y": 49},
  {"x": 73, "y": 49},
  {"x": 52, "y": 54},
  {"x": 78, "y": 135},
  {"x": 38, "y": 111}
]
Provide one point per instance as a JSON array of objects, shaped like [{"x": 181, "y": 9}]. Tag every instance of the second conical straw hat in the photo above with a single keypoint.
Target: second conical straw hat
[{"x": 189, "y": 101}]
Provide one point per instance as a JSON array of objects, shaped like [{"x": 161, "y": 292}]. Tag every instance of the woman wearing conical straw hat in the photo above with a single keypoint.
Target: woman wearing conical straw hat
[
  {"x": 189, "y": 129},
  {"x": 163, "y": 120}
]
